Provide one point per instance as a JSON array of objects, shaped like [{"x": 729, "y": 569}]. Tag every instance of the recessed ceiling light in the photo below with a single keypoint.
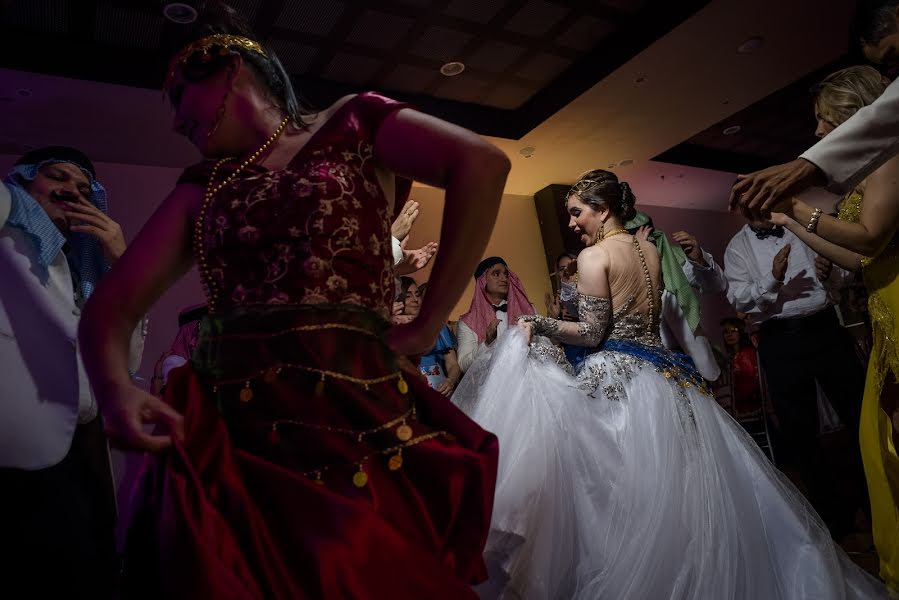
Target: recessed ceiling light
[
  {"x": 626, "y": 163},
  {"x": 178, "y": 12},
  {"x": 451, "y": 69},
  {"x": 23, "y": 92},
  {"x": 527, "y": 151},
  {"x": 640, "y": 79},
  {"x": 732, "y": 130},
  {"x": 751, "y": 45}
]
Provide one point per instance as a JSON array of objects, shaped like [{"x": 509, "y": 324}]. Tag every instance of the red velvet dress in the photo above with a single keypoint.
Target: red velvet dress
[
  {"x": 315, "y": 464},
  {"x": 747, "y": 397}
]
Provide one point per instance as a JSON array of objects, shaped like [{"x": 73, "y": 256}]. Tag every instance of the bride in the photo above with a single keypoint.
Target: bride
[{"x": 620, "y": 477}]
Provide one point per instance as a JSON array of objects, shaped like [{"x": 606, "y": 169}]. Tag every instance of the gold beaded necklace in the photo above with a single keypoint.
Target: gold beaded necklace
[{"x": 211, "y": 190}]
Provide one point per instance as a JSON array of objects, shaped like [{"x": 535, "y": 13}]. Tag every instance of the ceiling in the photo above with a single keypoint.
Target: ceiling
[
  {"x": 524, "y": 59},
  {"x": 677, "y": 88},
  {"x": 775, "y": 129}
]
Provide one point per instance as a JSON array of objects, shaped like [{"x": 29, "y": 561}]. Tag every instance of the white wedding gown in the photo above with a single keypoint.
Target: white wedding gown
[{"x": 625, "y": 480}]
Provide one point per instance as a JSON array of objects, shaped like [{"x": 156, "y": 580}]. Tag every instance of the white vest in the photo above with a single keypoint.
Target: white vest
[{"x": 44, "y": 390}]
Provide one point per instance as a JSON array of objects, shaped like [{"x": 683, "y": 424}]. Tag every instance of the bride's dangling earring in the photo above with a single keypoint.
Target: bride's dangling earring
[{"x": 601, "y": 233}]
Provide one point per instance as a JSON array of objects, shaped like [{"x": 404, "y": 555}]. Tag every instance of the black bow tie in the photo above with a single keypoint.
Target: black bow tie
[
  {"x": 776, "y": 231},
  {"x": 501, "y": 307}
]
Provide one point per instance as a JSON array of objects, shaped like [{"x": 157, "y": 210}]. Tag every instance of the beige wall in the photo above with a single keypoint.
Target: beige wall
[{"x": 516, "y": 238}]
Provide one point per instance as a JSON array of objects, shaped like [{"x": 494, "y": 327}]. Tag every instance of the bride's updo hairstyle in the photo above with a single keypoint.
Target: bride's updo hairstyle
[
  {"x": 205, "y": 47},
  {"x": 601, "y": 189}
]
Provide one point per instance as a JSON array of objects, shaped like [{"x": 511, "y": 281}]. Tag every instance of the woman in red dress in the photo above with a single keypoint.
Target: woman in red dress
[
  {"x": 301, "y": 456},
  {"x": 743, "y": 368}
]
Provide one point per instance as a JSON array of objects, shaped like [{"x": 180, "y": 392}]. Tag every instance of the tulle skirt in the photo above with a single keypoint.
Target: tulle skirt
[{"x": 628, "y": 482}]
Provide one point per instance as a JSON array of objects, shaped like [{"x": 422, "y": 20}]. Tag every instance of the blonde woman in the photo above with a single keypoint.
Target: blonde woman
[{"x": 863, "y": 237}]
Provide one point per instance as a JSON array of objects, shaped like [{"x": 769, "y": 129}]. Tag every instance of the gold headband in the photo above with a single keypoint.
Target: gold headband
[
  {"x": 582, "y": 186},
  {"x": 223, "y": 41}
]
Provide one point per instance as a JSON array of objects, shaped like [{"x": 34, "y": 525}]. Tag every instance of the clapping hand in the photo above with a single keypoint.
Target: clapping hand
[
  {"x": 403, "y": 223},
  {"x": 414, "y": 260},
  {"x": 781, "y": 261}
]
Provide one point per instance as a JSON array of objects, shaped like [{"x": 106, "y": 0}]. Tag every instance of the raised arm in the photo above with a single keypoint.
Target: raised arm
[
  {"x": 594, "y": 305},
  {"x": 157, "y": 258},
  {"x": 473, "y": 173},
  {"x": 847, "y": 259},
  {"x": 879, "y": 216}
]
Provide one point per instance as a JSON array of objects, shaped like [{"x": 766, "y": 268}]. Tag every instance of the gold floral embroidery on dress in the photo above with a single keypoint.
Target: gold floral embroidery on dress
[{"x": 305, "y": 237}]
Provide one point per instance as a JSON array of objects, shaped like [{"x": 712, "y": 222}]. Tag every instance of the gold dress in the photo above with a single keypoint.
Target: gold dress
[{"x": 881, "y": 275}]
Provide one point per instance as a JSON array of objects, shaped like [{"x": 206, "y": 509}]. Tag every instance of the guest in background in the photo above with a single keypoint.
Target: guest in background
[
  {"x": 790, "y": 292},
  {"x": 57, "y": 507},
  {"x": 681, "y": 329},
  {"x": 499, "y": 299},
  {"x": 742, "y": 368},
  {"x": 701, "y": 270},
  {"x": 182, "y": 347},
  {"x": 554, "y": 307},
  {"x": 439, "y": 365},
  {"x": 406, "y": 261}
]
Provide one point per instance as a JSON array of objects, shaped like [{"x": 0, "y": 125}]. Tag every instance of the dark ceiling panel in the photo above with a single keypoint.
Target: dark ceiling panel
[
  {"x": 479, "y": 11},
  {"x": 40, "y": 15},
  {"x": 380, "y": 30},
  {"x": 495, "y": 57},
  {"x": 585, "y": 33},
  {"x": 352, "y": 68},
  {"x": 441, "y": 44},
  {"x": 317, "y": 17},
  {"x": 525, "y": 59},
  {"x": 130, "y": 27},
  {"x": 536, "y": 18}
]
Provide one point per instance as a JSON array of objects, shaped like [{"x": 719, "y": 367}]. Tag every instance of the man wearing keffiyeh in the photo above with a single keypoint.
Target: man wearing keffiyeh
[{"x": 58, "y": 508}]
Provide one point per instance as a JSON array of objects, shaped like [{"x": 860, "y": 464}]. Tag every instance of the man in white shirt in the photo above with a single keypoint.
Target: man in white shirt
[
  {"x": 790, "y": 292},
  {"x": 853, "y": 150},
  {"x": 58, "y": 506}
]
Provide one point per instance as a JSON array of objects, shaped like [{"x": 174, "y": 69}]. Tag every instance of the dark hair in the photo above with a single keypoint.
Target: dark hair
[
  {"x": 601, "y": 189},
  {"x": 405, "y": 283},
  {"x": 874, "y": 20},
  {"x": 744, "y": 342},
  {"x": 565, "y": 254},
  {"x": 217, "y": 17}
]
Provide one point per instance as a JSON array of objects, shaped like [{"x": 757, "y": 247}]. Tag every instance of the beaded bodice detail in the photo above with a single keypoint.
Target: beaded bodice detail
[
  {"x": 315, "y": 232},
  {"x": 635, "y": 326}
]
